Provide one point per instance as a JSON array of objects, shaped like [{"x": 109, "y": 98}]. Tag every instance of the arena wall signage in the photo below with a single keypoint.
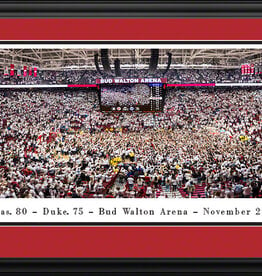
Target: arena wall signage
[
  {"x": 45, "y": 85},
  {"x": 131, "y": 80},
  {"x": 95, "y": 85}
]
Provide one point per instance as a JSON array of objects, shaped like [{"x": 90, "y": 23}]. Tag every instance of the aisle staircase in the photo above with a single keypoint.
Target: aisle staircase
[
  {"x": 198, "y": 193},
  {"x": 175, "y": 194}
]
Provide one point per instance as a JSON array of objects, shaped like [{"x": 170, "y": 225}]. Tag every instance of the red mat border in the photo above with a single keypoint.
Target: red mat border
[
  {"x": 130, "y": 241},
  {"x": 131, "y": 29}
]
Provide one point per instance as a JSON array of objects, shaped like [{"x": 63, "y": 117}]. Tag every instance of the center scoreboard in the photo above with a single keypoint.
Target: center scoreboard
[{"x": 132, "y": 94}]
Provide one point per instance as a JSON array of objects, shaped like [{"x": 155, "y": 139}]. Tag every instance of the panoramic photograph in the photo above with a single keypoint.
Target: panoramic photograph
[{"x": 131, "y": 122}]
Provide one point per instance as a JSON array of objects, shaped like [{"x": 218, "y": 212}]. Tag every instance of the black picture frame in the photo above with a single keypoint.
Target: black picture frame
[
  {"x": 131, "y": 266},
  {"x": 130, "y": 9}
]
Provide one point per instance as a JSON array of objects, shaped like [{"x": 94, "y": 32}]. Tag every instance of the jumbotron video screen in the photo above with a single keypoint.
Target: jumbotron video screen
[{"x": 132, "y": 95}]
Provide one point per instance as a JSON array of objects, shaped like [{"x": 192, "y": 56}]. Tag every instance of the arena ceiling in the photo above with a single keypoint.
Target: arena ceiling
[{"x": 55, "y": 59}]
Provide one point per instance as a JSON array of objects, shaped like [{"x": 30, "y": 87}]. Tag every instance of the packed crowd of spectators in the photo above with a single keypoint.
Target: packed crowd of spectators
[
  {"x": 56, "y": 144},
  {"x": 64, "y": 77},
  {"x": 173, "y": 76},
  {"x": 15, "y": 80}
]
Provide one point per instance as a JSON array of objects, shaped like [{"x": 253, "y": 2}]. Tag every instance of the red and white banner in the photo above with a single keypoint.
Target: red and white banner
[
  {"x": 131, "y": 80},
  {"x": 19, "y": 72},
  {"x": 35, "y": 72},
  {"x": 30, "y": 71},
  {"x": 242, "y": 69},
  {"x": 6, "y": 71},
  {"x": 252, "y": 71},
  {"x": 12, "y": 69},
  {"x": 25, "y": 71},
  {"x": 248, "y": 69}
]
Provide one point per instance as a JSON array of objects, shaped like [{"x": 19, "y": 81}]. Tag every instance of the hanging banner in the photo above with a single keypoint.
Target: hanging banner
[
  {"x": 6, "y": 71},
  {"x": 30, "y": 71},
  {"x": 248, "y": 69},
  {"x": 252, "y": 71},
  {"x": 12, "y": 69},
  {"x": 242, "y": 69},
  {"x": 25, "y": 71},
  {"x": 19, "y": 72},
  {"x": 245, "y": 69},
  {"x": 35, "y": 72}
]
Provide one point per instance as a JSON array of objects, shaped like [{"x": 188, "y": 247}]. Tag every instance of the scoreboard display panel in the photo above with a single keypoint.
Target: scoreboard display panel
[{"x": 132, "y": 95}]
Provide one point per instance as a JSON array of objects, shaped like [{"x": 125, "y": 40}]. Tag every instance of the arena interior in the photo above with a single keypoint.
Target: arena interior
[{"x": 199, "y": 138}]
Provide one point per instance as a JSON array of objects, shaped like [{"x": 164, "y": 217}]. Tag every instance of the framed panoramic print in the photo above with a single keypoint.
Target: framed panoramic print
[{"x": 130, "y": 137}]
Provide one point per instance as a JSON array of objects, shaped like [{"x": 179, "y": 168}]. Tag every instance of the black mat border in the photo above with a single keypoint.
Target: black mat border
[{"x": 131, "y": 9}]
